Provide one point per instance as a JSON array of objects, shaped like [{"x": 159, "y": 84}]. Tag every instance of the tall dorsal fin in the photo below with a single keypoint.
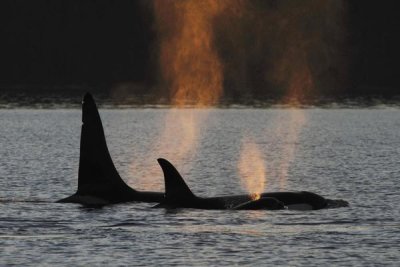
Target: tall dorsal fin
[
  {"x": 97, "y": 173},
  {"x": 175, "y": 187}
]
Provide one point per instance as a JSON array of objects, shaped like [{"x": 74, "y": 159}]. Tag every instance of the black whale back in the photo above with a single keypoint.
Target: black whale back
[
  {"x": 97, "y": 176},
  {"x": 176, "y": 190}
]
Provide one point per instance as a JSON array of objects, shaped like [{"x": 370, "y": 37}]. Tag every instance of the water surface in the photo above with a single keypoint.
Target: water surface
[{"x": 351, "y": 154}]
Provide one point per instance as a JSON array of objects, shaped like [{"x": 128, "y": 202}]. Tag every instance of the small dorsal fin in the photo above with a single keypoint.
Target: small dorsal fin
[
  {"x": 176, "y": 189},
  {"x": 96, "y": 168}
]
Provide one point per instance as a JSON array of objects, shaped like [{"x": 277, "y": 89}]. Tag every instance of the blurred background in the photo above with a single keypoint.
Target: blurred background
[{"x": 152, "y": 52}]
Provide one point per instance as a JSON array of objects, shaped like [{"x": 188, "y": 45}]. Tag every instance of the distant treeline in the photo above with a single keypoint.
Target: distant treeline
[{"x": 113, "y": 44}]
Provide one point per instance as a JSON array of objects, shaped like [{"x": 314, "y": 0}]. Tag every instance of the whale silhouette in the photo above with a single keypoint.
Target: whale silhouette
[
  {"x": 178, "y": 195},
  {"x": 99, "y": 182}
]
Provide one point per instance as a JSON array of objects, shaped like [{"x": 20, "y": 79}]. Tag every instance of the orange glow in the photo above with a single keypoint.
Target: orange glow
[
  {"x": 189, "y": 62},
  {"x": 290, "y": 134},
  {"x": 294, "y": 71},
  {"x": 181, "y": 133},
  {"x": 190, "y": 67},
  {"x": 252, "y": 168},
  {"x": 255, "y": 196},
  {"x": 252, "y": 162},
  {"x": 191, "y": 70},
  {"x": 178, "y": 142}
]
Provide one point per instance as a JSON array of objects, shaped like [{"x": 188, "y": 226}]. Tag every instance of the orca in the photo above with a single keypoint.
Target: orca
[
  {"x": 99, "y": 182},
  {"x": 263, "y": 203},
  {"x": 178, "y": 195}
]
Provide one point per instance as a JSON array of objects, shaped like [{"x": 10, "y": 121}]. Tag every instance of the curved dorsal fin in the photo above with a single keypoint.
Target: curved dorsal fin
[
  {"x": 97, "y": 173},
  {"x": 175, "y": 187}
]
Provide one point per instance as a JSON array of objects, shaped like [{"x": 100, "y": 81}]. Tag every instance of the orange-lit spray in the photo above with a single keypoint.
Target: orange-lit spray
[
  {"x": 190, "y": 69},
  {"x": 299, "y": 85},
  {"x": 282, "y": 31},
  {"x": 190, "y": 65},
  {"x": 193, "y": 72},
  {"x": 252, "y": 168},
  {"x": 290, "y": 133}
]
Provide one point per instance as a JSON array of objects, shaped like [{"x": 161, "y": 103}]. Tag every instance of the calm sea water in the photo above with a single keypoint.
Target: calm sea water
[{"x": 351, "y": 154}]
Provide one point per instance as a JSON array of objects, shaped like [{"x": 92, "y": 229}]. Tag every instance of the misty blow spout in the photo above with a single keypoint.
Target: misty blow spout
[{"x": 178, "y": 195}]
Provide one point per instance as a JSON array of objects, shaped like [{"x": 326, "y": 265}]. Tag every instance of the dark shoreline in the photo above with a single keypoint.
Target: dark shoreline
[{"x": 72, "y": 99}]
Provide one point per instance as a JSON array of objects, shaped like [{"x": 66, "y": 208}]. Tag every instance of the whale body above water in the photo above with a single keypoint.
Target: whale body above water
[{"x": 99, "y": 182}]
